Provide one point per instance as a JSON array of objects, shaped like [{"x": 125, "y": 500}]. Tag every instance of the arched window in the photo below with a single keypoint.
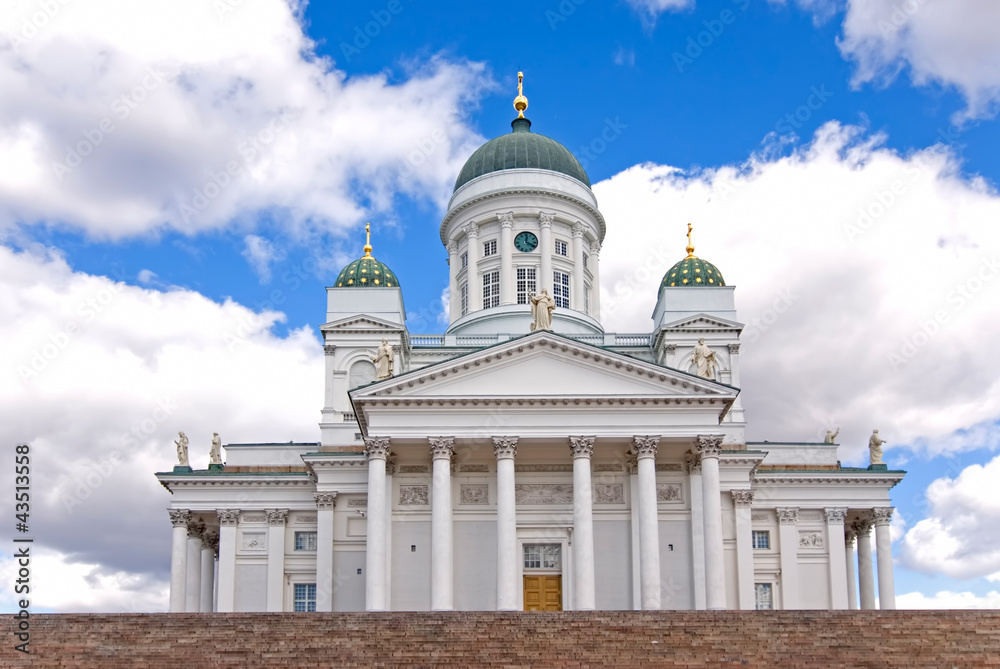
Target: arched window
[{"x": 362, "y": 373}]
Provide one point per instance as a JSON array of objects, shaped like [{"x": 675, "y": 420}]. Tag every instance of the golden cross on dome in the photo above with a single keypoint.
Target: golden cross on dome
[
  {"x": 520, "y": 102},
  {"x": 690, "y": 246},
  {"x": 368, "y": 243}
]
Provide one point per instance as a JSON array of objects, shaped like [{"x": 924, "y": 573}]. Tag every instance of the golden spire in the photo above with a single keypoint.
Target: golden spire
[
  {"x": 368, "y": 244},
  {"x": 520, "y": 102},
  {"x": 690, "y": 246}
]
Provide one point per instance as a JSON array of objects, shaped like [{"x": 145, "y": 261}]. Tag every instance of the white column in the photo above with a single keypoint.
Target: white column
[
  {"x": 375, "y": 549},
  {"x": 178, "y": 559},
  {"x": 697, "y": 530},
  {"x": 505, "y": 448},
  {"x": 632, "y": 467},
  {"x": 788, "y": 544},
  {"x": 442, "y": 548},
  {"x": 649, "y": 522},
  {"x": 506, "y": 261},
  {"x": 208, "y": 543},
  {"x": 742, "y": 501},
  {"x": 584, "y": 595},
  {"x": 709, "y": 448},
  {"x": 838, "y": 569},
  {"x": 390, "y": 470},
  {"x": 866, "y": 576},
  {"x": 849, "y": 557},
  {"x": 325, "y": 504},
  {"x": 228, "y": 519},
  {"x": 454, "y": 296},
  {"x": 276, "y": 559},
  {"x": 192, "y": 587},
  {"x": 472, "y": 273},
  {"x": 594, "y": 264},
  {"x": 883, "y": 550},
  {"x": 734, "y": 364},
  {"x": 546, "y": 248},
  {"x": 329, "y": 385},
  {"x": 578, "y": 281}
]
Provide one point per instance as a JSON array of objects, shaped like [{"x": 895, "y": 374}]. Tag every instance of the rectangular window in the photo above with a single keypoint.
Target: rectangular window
[
  {"x": 586, "y": 299},
  {"x": 465, "y": 298},
  {"x": 490, "y": 248},
  {"x": 491, "y": 290},
  {"x": 762, "y": 540},
  {"x": 305, "y": 541},
  {"x": 763, "y": 596},
  {"x": 305, "y": 597},
  {"x": 560, "y": 289},
  {"x": 465, "y": 260},
  {"x": 526, "y": 284},
  {"x": 542, "y": 556},
  {"x": 560, "y": 248},
  {"x": 585, "y": 256}
]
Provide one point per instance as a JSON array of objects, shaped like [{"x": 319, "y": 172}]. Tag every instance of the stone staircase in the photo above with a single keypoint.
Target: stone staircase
[{"x": 870, "y": 639}]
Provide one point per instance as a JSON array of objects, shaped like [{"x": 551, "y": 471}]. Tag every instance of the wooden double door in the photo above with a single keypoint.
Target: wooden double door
[{"x": 543, "y": 592}]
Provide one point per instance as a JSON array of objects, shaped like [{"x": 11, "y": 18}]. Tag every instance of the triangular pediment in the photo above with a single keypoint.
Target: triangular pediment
[
  {"x": 702, "y": 322},
  {"x": 361, "y": 323},
  {"x": 546, "y": 365}
]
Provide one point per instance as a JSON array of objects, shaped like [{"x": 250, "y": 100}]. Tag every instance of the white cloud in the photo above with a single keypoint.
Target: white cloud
[
  {"x": 961, "y": 535},
  {"x": 623, "y": 56},
  {"x": 650, "y": 10},
  {"x": 954, "y": 43},
  {"x": 99, "y": 378},
  {"x": 948, "y": 600},
  {"x": 191, "y": 120},
  {"x": 260, "y": 253},
  {"x": 844, "y": 255}
]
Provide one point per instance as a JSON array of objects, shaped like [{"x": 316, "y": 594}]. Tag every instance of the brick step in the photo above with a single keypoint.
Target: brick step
[{"x": 868, "y": 639}]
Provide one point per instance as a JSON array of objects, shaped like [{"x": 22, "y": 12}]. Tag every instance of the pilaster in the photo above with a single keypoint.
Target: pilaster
[
  {"x": 326, "y": 502},
  {"x": 788, "y": 543},
  {"x": 838, "y": 569},
  {"x": 742, "y": 502},
  {"x": 228, "y": 520}
]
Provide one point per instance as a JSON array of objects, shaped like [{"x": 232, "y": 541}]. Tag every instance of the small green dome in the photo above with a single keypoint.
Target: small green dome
[
  {"x": 521, "y": 149},
  {"x": 367, "y": 272},
  {"x": 692, "y": 272}
]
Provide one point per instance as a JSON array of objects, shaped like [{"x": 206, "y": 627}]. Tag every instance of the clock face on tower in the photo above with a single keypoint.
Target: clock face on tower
[{"x": 525, "y": 241}]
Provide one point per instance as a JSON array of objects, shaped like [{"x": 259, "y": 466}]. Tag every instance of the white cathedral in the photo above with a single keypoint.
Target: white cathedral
[{"x": 528, "y": 459}]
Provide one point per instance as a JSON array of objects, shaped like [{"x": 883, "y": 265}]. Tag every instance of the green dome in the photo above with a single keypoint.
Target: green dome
[
  {"x": 692, "y": 272},
  {"x": 366, "y": 272},
  {"x": 521, "y": 149}
]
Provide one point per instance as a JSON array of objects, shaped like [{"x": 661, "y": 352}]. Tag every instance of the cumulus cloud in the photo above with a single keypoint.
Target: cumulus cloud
[
  {"x": 867, "y": 280},
  {"x": 948, "y": 600},
  {"x": 959, "y": 537},
  {"x": 99, "y": 376},
  {"x": 122, "y": 118},
  {"x": 260, "y": 253},
  {"x": 954, "y": 43}
]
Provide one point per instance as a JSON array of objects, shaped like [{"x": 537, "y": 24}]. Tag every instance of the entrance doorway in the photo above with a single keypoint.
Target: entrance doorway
[{"x": 542, "y": 577}]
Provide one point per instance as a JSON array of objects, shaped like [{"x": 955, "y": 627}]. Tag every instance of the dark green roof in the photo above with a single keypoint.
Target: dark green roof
[
  {"x": 521, "y": 149},
  {"x": 366, "y": 272},
  {"x": 692, "y": 272}
]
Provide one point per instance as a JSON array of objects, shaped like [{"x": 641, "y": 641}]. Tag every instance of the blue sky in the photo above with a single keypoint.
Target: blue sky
[{"x": 836, "y": 156}]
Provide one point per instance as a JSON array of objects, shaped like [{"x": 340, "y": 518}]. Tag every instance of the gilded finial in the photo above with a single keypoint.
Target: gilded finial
[
  {"x": 520, "y": 102},
  {"x": 368, "y": 242},
  {"x": 690, "y": 246}
]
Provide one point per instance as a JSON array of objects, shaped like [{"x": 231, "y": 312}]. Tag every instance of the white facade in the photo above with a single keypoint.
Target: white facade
[{"x": 503, "y": 469}]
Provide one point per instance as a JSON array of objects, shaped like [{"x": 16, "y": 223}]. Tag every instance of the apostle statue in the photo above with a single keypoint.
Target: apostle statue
[
  {"x": 875, "y": 449},
  {"x": 182, "y": 449},
  {"x": 383, "y": 358},
  {"x": 831, "y": 436},
  {"x": 215, "y": 453},
  {"x": 541, "y": 310},
  {"x": 704, "y": 360}
]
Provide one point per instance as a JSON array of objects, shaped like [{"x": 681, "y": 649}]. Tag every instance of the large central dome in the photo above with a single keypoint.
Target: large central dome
[{"x": 521, "y": 149}]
